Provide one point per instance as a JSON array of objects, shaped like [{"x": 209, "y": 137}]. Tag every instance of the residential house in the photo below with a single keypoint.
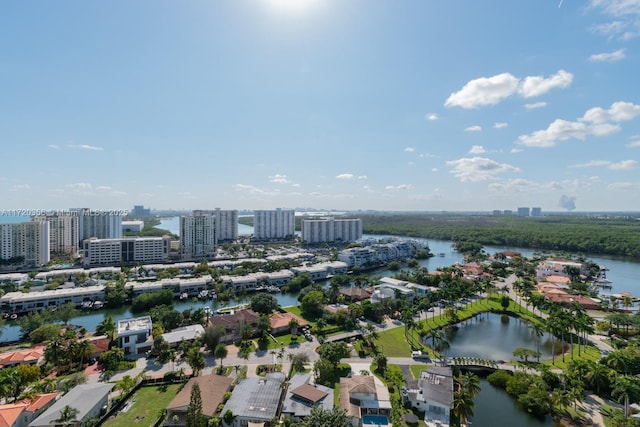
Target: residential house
[
  {"x": 90, "y": 401},
  {"x": 31, "y": 356},
  {"x": 255, "y": 401},
  {"x": 22, "y": 412},
  {"x": 184, "y": 333},
  {"x": 232, "y": 323},
  {"x": 134, "y": 335},
  {"x": 432, "y": 393},
  {"x": 302, "y": 396},
  {"x": 280, "y": 322},
  {"x": 356, "y": 294},
  {"x": 212, "y": 390},
  {"x": 365, "y": 400}
]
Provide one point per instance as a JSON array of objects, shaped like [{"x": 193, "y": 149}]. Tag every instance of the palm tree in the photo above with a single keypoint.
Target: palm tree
[
  {"x": 625, "y": 388},
  {"x": 67, "y": 416},
  {"x": 293, "y": 326},
  {"x": 538, "y": 330},
  {"x": 470, "y": 384},
  {"x": 463, "y": 405},
  {"x": 598, "y": 376},
  {"x": 220, "y": 352}
]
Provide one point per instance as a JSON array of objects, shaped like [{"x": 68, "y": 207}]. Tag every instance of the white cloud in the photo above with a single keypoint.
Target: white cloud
[
  {"x": 409, "y": 150},
  {"x": 500, "y": 125},
  {"x": 484, "y": 91},
  {"x": 474, "y": 128},
  {"x": 516, "y": 150},
  {"x": 53, "y": 146},
  {"x": 533, "y": 86},
  {"x": 399, "y": 187},
  {"x": 253, "y": 190},
  {"x": 491, "y": 90},
  {"x": 432, "y": 117},
  {"x": 434, "y": 170},
  {"x": 85, "y": 147},
  {"x": 595, "y": 122},
  {"x": 477, "y": 149},
  {"x": 477, "y": 169},
  {"x": 279, "y": 179},
  {"x": 624, "y": 165},
  {"x": 103, "y": 188},
  {"x": 592, "y": 163},
  {"x": 608, "y": 56},
  {"x": 79, "y": 185},
  {"x": 535, "y": 105},
  {"x": 623, "y": 186},
  {"x": 362, "y": 176},
  {"x": 634, "y": 144},
  {"x": 21, "y": 187},
  {"x": 627, "y": 18},
  {"x": 345, "y": 176},
  {"x": 517, "y": 185}
]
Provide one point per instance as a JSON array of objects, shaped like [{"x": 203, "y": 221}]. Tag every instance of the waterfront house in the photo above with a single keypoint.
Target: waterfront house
[
  {"x": 255, "y": 401},
  {"x": 134, "y": 335},
  {"x": 233, "y": 322},
  {"x": 432, "y": 393},
  {"x": 280, "y": 322},
  {"x": 19, "y": 302},
  {"x": 184, "y": 333},
  {"x": 212, "y": 390},
  {"x": 365, "y": 400}
]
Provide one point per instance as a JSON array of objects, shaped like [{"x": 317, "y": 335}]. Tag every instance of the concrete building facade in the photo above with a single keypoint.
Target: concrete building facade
[
  {"x": 63, "y": 232},
  {"x": 330, "y": 230},
  {"x": 274, "y": 224},
  {"x": 226, "y": 223},
  {"x": 28, "y": 241},
  {"x": 198, "y": 238},
  {"x": 128, "y": 250}
]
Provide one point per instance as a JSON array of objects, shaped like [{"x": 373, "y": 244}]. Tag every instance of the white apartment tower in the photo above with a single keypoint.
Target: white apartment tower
[
  {"x": 198, "y": 236},
  {"x": 226, "y": 223},
  {"x": 329, "y": 230},
  {"x": 127, "y": 250},
  {"x": 101, "y": 225},
  {"x": 27, "y": 240},
  {"x": 63, "y": 232},
  {"x": 274, "y": 224}
]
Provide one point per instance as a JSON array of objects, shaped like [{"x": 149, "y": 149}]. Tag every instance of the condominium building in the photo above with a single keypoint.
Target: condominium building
[
  {"x": 27, "y": 242},
  {"x": 128, "y": 250},
  {"x": 198, "y": 236},
  {"x": 330, "y": 230},
  {"x": 226, "y": 223},
  {"x": 99, "y": 224},
  {"x": 524, "y": 211},
  {"x": 63, "y": 232},
  {"x": 274, "y": 224}
]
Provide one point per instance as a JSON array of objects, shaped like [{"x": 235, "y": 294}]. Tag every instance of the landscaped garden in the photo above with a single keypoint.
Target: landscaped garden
[{"x": 145, "y": 406}]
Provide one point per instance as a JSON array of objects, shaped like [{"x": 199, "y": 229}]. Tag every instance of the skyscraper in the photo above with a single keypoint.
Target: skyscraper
[
  {"x": 26, "y": 240},
  {"x": 198, "y": 236},
  {"x": 274, "y": 224},
  {"x": 63, "y": 232}
]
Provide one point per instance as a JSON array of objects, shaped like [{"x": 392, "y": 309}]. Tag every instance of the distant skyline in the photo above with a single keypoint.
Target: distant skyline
[{"x": 411, "y": 105}]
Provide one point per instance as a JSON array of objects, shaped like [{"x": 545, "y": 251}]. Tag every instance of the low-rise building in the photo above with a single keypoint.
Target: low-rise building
[
  {"x": 22, "y": 412},
  {"x": 212, "y": 391},
  {"x": 365, "y": 400},
  {"x": 19, "y": 302},
  {"x": 302, "y": 396},
  {"x": 89, "y": 400},
  {"x": 126, "y": 250},
  {"x": 26, "y": 356},
  {"x": 184, "y": 333},
  {"x": 255, "y": 401},
  {"x": 280, "y": 322},
  {"x": 134, "y": 335},
  {"x": 233, "y": 323},
  {"x": 433, "y": 394}
]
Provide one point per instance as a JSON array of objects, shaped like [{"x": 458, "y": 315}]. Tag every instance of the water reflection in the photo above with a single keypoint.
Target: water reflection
[{"x": 494, "y": 336}]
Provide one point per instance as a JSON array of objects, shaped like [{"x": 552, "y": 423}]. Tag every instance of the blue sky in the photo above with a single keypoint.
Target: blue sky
[{"x": 331, "y": 104}]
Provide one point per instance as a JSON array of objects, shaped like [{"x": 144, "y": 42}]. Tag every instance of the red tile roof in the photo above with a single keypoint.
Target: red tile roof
[{"x": 28, "y": 355}]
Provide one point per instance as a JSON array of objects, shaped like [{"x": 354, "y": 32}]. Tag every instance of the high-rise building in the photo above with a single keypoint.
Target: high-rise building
[
  {"x": 331, "y": 230},
  {"x": 98, "y": 224},
  {"x": 536, "y": 212},
  {"x": 226, "y": 223},
  {"x": 198, "y": 236},
  {"x": 274, "y": 224},
  {"x": 140, "y": 211},
  {"x": 63, "y": 232},
  {"x": 523, "y": 211},
  {"x": 26, "y": 240}
]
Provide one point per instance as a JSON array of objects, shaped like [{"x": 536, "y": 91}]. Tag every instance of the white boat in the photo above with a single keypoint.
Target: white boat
[{"x": 97, "y": 305}]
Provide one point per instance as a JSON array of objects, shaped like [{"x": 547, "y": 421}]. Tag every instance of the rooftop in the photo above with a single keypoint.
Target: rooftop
[
  {"x": 256, "y": 398},
  {"x": 136, "y": 324}
]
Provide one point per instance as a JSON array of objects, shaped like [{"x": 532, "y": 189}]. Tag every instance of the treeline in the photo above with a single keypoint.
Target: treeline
[{"x": 586, "y": 235}]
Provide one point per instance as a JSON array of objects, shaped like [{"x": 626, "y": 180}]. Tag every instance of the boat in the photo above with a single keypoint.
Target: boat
[
  {"x": 184, "y": 295},
  {"x": 86, "y": 305},
  {"x": 13, "y": 316},
  {"x": 204, "y": 294},
  {"x": 441, "y": 254},
  {"x": 97, "y": 305}
]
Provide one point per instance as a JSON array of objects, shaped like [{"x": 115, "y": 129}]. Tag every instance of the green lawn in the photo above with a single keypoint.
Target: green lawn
[{"x": 148, "y": 402}]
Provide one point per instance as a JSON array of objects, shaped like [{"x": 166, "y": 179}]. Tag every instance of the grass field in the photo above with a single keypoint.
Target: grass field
[{"x": 148, "y": 402}]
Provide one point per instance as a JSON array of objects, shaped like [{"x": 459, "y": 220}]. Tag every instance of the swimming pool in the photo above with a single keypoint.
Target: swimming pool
[{"x": 379, "y": 420}]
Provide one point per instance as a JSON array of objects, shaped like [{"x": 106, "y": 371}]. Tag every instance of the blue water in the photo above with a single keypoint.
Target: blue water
[
  {"x": 172, "y": 224},
  {"x": 380, "y": 420}
]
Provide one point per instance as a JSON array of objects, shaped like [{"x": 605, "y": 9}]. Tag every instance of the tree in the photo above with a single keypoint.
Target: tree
[
  {"x": 525, "y": 353},
  {"x": 298, "y": 361},
  {"x": 463, "y": 405},
  {"x": 626, "y": 388},
  {"x": 126, "y": 384},
  {"x": 264, "y": 326},
  {"x": 195, "y": 359},
  {"x": 470, "y": 384},
  {"x": 67, "y": 416},
  {"x": 220, "y": 352},
  {"x": 229, "y": 418},
  {"x": 381, "y": 362},
  {"x": 263, "y": 303},
  {"x": 212, "y": 336},
  {"x": 293, "y": 326},
  {"x": 504, "y": 302},
  {"x": 312, "y": 303},
  {"x": 320, "y": 417},
  {"x": 67, "y": 312},
  {"x": 45, "y": 333},
  {"x": 194, "y": 411},
  {"x": 334, "y": 351},
  {"x": 107, "y": 327},
  {"x": 538, "y": 330}
]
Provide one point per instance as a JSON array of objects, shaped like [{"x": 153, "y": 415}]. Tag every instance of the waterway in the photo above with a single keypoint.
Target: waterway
[
  {"x": 494, "y": 336},
  {"x": 494, "y": 407}
]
